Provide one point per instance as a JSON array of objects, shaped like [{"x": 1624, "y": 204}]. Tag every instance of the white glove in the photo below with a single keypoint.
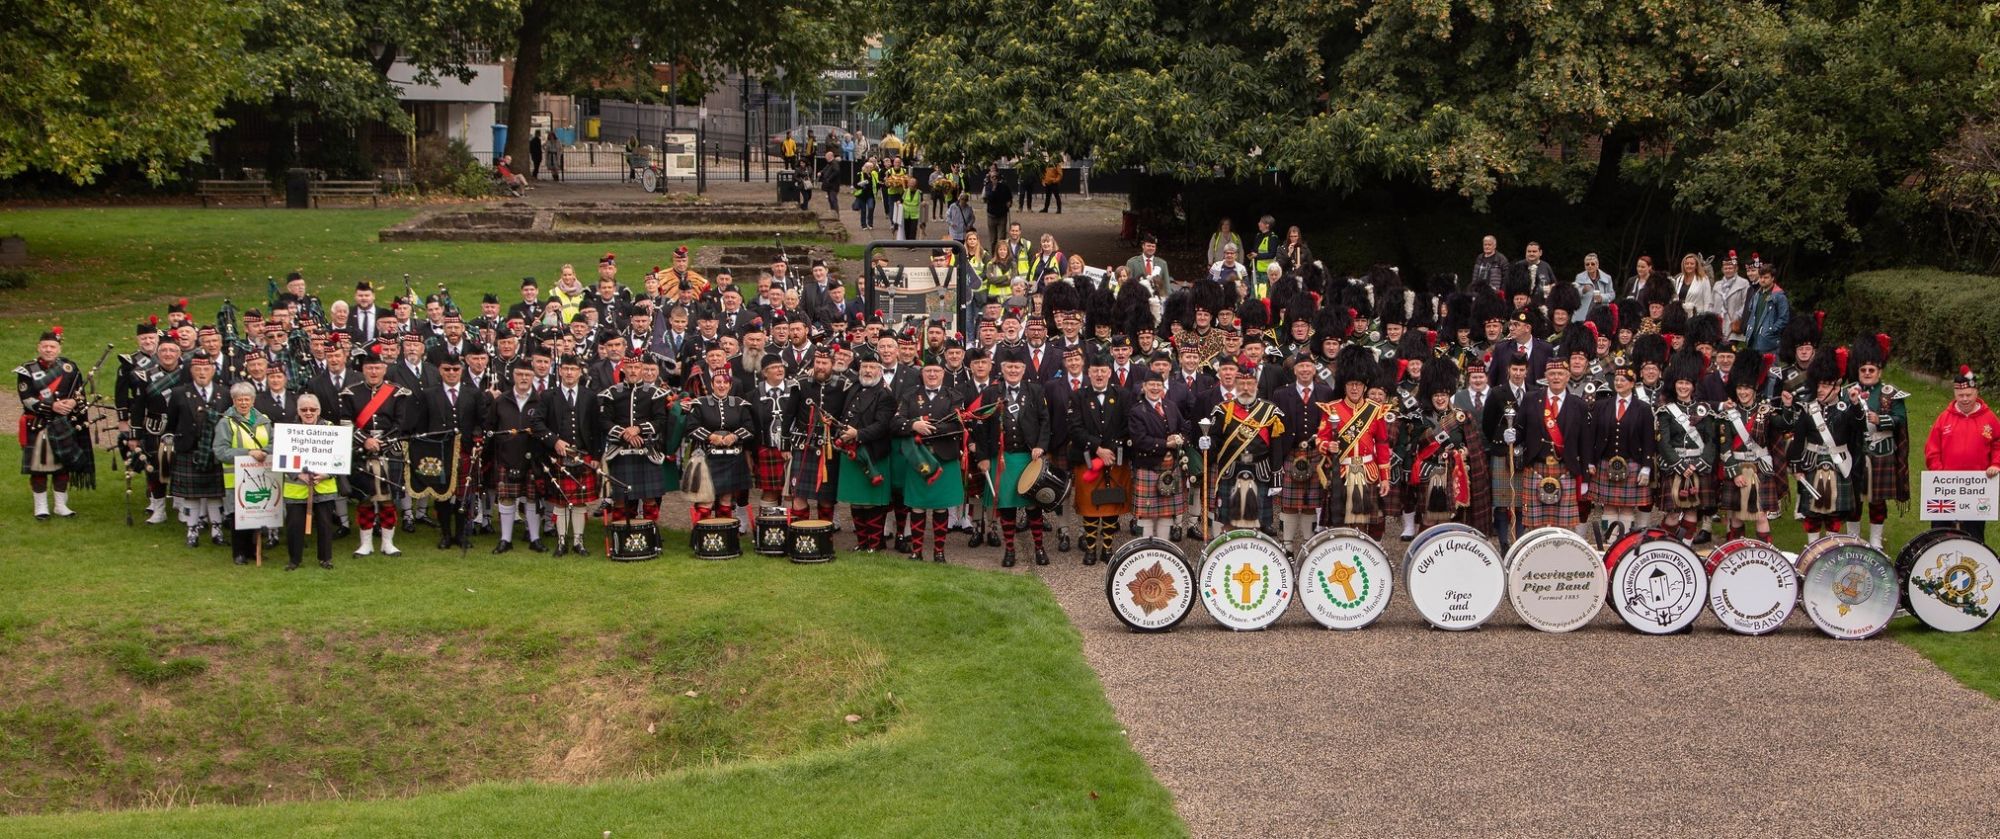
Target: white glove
[
  {"x": 1204, "y": 443},
  {"x": 1508, "y": 436},
  {"x": 1274, "y": 492}
]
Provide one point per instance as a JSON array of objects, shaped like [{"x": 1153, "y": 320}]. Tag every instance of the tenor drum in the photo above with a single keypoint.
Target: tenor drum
[
  {"x": 1455, "y": 577},
  {"x": 1555, "y": 581},
  {"x": 716, "y": 539},
  {"x": 1752, "y": 586},
  {"x": 773, "y": 526},
  {"x": 1624, "y": 545},
  {"x": 1847, "y": 588},
  {"x": 1246, "y": 580},
  {"x": 634, "y": 541},
  {"x": 1344, "y": 582},
  {"x": 811, "y": 541},
  {"x": 1043, "y": 484},
  {"x": 1947, "y": 579},
  {"x": 1150, "y": 587},
  {"x": 1659, "y": 586}
]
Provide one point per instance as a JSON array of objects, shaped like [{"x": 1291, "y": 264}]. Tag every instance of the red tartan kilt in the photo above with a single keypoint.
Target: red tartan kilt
[
  {"x": 1153, "y": 500},
  {"x": 1299, "y": 495},
  {"x": 1627, "y": 493},
  {"x": 1392, "y": 504},
  {"x": 570, "y": 490},
  {"x": 1770, "y": 492},
  {"x": 1663, "y": 490},
  {"x": 1534, "y": 513},
  {"x": 770, "y": 471}
]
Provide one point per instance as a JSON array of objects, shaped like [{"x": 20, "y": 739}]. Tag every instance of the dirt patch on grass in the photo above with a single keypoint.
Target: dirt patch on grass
[{"x": 102, "y": 719}]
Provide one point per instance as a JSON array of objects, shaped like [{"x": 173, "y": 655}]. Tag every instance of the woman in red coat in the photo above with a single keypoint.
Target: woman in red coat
[{"x": 1966, "y": 437}]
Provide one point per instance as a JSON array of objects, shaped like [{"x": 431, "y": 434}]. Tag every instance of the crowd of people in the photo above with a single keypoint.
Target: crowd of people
[{"x": 1261, "y": 390}]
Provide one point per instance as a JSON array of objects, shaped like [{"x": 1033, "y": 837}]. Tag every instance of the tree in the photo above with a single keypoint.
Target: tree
[
  {"x": 786, "y": 42},
  {"x": 86, "y": 85}
]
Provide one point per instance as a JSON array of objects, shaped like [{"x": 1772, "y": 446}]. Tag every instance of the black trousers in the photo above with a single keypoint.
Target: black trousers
[
  {"x": 243, "y": 543},
  {"x": 295, "y": 530}
]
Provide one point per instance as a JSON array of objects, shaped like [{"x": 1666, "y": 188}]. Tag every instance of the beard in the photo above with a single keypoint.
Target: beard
[{"x": 871, "y": 381}]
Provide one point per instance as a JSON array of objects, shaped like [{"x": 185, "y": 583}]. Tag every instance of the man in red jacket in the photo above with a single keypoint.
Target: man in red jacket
[{"x": 1966, "y": 437}]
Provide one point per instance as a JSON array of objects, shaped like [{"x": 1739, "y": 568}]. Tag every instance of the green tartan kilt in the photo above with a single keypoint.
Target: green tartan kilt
[
  {"x": 1007, "y": 483},
  {"x": 855, "y": 488},
  {"x": 946, "y": 492}
]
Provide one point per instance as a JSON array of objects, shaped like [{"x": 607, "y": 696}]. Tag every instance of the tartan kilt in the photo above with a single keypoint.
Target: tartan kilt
[
  {"x": 770, "y": 469},
  {"x": 573, "y": 486},
  {"x": 1503, "y": 490},
  {"x": 730, "y": 472},
  {"x": 1299, "y": 495},
  {"x": 1152, "y": 499},
  {"x": 638, "y": 478},
  {"x": 1375, "y": 512},
  {"x": 511, "y": 484},
  {"x": 196, "y": 474},
  {"x": 1879, "y": 475},
  {"x": 1392, "y": 504},
  {"x": 1663, "y": 490},
  {"x": 1770, "y": 492},
  {"x": 803, "y": 481},
  {"x": 1536, "y": 514},
  {"x": 361, "y": 483},
  {"x": 1628, "y": 493}
]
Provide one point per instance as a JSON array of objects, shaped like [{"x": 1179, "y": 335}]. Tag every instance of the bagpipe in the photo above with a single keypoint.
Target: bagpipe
[{"x": 917, "y": 451}]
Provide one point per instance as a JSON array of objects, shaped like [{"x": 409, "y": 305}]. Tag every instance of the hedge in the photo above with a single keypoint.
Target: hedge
[{"x": 1939, "y": 319}]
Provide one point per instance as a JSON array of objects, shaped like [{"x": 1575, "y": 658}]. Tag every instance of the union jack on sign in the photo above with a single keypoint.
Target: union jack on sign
[{"x": 1942, "y": 505}]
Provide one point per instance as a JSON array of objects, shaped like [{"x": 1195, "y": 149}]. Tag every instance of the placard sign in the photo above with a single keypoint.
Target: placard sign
[
  {"x": 1959, "y": 496},
  {"x": 260, "y": 496},
  {"x": 321, "y": 449}
]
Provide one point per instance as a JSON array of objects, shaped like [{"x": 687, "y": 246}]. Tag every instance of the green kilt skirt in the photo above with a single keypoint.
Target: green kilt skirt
[
  {"x": 1007, "y": 483},
  {"x": 855, "y": 486},
  {"x": 944, "y": 493}
]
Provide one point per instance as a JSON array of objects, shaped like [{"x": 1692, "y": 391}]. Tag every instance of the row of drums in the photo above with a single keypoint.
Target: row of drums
[{"x": 1557, "y": 582}]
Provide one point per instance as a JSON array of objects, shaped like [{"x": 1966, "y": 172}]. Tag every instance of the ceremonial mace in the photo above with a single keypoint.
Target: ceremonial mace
[{"x": 1207, "y": 474}]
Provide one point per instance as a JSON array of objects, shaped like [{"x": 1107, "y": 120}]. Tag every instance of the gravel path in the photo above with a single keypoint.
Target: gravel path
[{"x": 1400, "y": 730}]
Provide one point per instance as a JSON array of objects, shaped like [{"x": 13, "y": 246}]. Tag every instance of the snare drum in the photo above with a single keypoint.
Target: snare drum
[
  {"x": 773, "y": 526},
  {"x": 1344, "y": 581},
  {"x": 1246, "y": 580},
  {"x": 1659, "y": 586},
  {"x": 1454, "y": 575},
  {"x": 1150, "y": 587},
  {"x": 811, "y": 541},
  {"x": 716, "y": 539},
  {"x": 1752, "y": 586},
  {"x": 1947, "y": 579},
  {"x": 1555, "y": 581},
  {"x": 1043, "y": 484},
  {"x": 634, "y": 541},
  {"x": 1848, "y": 588}
]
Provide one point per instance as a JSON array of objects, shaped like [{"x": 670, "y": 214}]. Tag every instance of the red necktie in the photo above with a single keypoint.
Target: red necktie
[
  {"x": 1621, "y": 408},
  {"x": 1149, "y": 266}
]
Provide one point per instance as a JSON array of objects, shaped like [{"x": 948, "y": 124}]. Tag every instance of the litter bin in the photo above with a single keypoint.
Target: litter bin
[
  {"x": 788, "y": 186},
  {"x": 298, "y": 191}
]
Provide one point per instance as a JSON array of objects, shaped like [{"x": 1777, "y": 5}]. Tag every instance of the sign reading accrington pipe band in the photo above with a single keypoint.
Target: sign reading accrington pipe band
[
  {"x": 320, "y": 449},
  {"x": 1959, "y": 496}
]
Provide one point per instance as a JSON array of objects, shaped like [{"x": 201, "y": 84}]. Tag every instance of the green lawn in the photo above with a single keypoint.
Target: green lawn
[{"x": 435, "y": 694}]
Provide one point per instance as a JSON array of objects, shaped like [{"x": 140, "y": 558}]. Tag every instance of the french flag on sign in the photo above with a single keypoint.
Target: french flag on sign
[{"x": 289, "y": 462}]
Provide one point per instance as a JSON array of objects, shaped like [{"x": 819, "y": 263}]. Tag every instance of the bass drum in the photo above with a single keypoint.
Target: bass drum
[
  {"x": 1659, "y": 586},
  {"x": 1624, "y": 545},
  {"x": 1752, "y": 586},
  {"x": 1555, "y": 581},
  {"x": 1344, "y": 581},
  {"x": 1455, "y": 577},
  {"x": 1246, "y": 580},
  {"x": 1150, "y": 587},
  {"x": 1848, "y": 588},
  {"x": 1947, "y": 580}
]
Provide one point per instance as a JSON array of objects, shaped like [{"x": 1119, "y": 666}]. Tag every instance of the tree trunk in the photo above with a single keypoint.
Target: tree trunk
[{"x": 532, "y": 41}]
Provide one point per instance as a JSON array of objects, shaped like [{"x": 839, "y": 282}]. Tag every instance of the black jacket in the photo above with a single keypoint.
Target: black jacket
[
  {"x": 1094, "y": 426},
  {"x": 871, "y": 411},
  {"x": 1573, "y": 421},
  {"x": 574, "y": 423},
  {"x": 1148, "y": 431},
  {"x": 1019, "y": 427}
]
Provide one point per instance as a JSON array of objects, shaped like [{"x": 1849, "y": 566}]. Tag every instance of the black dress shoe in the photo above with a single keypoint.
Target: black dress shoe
[
  {"x": 537, "y": 546},
  {"x": 342, "y": 532},
  {"x": 1135, "y": 527},
  {"x": 1703, "y": 537},
  {"x": 1174, "y": 533},
  {"x": 937, "y": 556},
  {"x": 1090, "y": 557},
  {"x": 444, "y": 542},
  {"x": 1007, "y": 559},
  {"x": 326, "y": 564},
  {"x": 41, "y": 517},
  {"x": 1062, "y": 540},
  {"x": 242, "y": 560},
  {"x": 562, "y": 548},
  {"x": 578, "y": 548},
  {"x": 917, "y": 555},
  {"x": 978, "y": 538},
  {"x": 903, "y": 544},
  {"x": 1041, "y": 557},
  {"x": 291, "y": 566},
  {"x": 993, "y": 539},
  {"x": 503, "y": 547}
]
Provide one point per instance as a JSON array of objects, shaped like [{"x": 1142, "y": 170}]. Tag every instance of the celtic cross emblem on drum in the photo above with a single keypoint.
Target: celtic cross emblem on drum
[{"x": 1247, "y": 577}]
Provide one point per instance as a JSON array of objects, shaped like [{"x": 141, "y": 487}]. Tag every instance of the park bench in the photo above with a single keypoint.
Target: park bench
[
  {"x": 372, "y": 190},
  {"x": 219, "y": 190}
]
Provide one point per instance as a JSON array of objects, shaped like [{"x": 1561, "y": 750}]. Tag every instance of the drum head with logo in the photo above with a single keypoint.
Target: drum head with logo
[
  {"x": 1850, "y": 590},
  {"x": 1150, "y": 587},
  {"x": 1752, "y": 586},
  {"x": 1659, "y": 587},
  {"x": 1555, "y": 581},
  {"x": 1246, "y": 581},
  {"x": 1455, "y": 579},
  {"x": 1344, "y": 581},
  {"x": 1948, "y": 580}
]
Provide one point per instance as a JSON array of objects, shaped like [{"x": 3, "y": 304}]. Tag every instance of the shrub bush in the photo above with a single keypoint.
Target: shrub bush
[
  {"x": 443, "y": 165},
  {"x": 1939, "y": 319}
]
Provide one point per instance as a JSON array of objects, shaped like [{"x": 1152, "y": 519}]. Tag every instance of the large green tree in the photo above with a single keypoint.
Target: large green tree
[
  {"x": 84, "y": 85},
  {"x": 1786, "y": 120}
]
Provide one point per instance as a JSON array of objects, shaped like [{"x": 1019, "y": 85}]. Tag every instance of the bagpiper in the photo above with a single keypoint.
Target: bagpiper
[
  {"x": 933, "y": 435},
  {"x": 55, "y": 443},
  {"x": 1686, "y": 453},
  {"x": 1825, "y": 443},
  {"x": 1750, "y": 479},
  {"x": 379, "y": 411},
  {"x": 196, "y": 483},
  {"x": 569, "y": 412},
  {"x": 1621, "y": 465},
  {"x": 1885, "y": 436},
  {"x": 1447, "y": 461},
  {"x": 1355, "y": 434}
]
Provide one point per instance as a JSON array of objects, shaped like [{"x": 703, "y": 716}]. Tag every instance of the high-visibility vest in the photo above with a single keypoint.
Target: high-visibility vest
[
  {"x": 259, "y": 438},
  {"x": 325, "y": 489}
]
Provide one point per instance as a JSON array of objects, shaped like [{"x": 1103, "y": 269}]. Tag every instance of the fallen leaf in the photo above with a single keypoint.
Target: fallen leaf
[
  {"x": 853, "y": 717},
  {"x": 691, "y": 694},
  {"x": 651, "y": 728},
  {"x": 1093, "y": 795}
]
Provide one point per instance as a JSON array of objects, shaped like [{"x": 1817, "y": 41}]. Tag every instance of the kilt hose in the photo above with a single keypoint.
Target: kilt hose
[
  {"x": 1767, "y": 495},
  {"x": 770, "y": 470},
  {"x": 1534, "y": 512},
  {"x": 1625, "y": 494}
]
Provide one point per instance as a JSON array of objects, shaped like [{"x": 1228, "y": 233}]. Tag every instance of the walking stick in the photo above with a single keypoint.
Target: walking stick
[
  {"x": 1207, "y": 476},
  {"x": 1513, "y": 486}
]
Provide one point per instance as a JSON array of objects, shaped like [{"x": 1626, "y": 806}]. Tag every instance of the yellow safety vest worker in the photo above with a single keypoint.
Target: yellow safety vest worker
[{"x": 258, "y": 439}]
